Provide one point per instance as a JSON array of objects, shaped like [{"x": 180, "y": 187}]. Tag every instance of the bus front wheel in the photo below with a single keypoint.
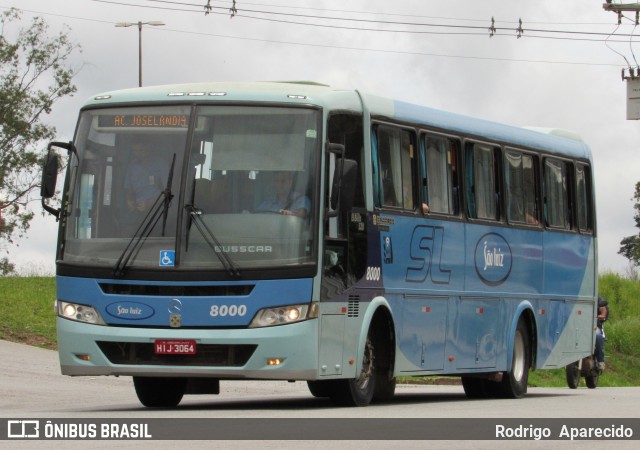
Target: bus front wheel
[
  {"x": 358, "y": 391},
  {"x": 159, "y": 392},
  {"x": 320, "y": 389}
]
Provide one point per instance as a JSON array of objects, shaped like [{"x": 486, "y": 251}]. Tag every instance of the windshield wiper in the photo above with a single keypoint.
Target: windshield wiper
[
  {"x": 160, "y": 208},
  {"x": 212, "y": 241}
]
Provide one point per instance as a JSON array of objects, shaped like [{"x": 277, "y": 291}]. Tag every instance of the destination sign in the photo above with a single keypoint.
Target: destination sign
[{"x": 145, "y": 121}]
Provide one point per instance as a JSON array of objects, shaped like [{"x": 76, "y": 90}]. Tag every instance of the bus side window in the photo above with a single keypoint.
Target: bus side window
[
  {"x": 521, "y": 187},
  {"x": 439, "y": 173},
  {"x": 557, "y": 194},
  {"x": 483, "y": 193},
  {"x": 396, "y": 164},
  {"x": 584, "y": 207}
]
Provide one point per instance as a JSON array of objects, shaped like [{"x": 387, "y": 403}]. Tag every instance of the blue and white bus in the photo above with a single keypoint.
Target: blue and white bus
[{"x": 411, "y": 242}]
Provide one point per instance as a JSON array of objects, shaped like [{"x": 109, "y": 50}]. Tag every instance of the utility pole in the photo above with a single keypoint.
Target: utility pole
[
  {"x": 633, "y": 79},
  {"x": 619, "y": 9}
]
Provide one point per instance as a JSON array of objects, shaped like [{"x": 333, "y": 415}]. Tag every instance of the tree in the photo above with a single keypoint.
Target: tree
[
  {"x": 630, "y": 246},
  {"x": 34, "y": 73}
]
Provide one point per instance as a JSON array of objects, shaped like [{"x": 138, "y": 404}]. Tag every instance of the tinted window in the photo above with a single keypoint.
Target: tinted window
[
  {"x": 439, "y": 174},
  {"x": 482, "y": 187},
  {"x": 395, "y": 149},
  {"x": 584, "y": 209},
  {"x": 521, "y": 188},
  {"x": 557, "y": 199}
]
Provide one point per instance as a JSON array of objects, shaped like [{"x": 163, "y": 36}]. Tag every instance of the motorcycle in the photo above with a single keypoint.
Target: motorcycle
[{"x": 587, "y": 368}]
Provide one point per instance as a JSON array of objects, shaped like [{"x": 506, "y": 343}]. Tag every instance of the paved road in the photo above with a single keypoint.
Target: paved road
[{"x": 31, "y": 387}]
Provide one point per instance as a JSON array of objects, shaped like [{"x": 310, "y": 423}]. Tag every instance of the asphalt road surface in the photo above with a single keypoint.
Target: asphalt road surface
[{"x": 31, "y": 387}]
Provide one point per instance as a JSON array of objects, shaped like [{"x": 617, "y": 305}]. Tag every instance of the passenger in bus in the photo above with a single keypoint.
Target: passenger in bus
[
  {"x": 212, "y": 196},
  {"x": 389, "y": 193},
  {"x": 146, "y": 177},
  {"x": 284, "y": 199}
]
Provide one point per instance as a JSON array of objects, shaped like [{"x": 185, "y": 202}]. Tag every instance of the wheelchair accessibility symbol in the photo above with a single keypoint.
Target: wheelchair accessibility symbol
[{"x": 167, "y": 258}]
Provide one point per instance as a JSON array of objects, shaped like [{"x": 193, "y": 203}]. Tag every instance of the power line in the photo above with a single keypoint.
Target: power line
[
  {"x": 363, "y": 49},
  {"x": 394, "y": 14},
  {"x": 469, "y": 30},
  {"x": 401, "y": 52}
]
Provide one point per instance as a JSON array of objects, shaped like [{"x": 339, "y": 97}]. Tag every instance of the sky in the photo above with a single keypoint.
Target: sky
[{"x": 567, "y": 74}]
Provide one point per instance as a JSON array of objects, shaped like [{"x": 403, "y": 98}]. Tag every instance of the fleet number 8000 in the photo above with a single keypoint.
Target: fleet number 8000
[{"x": 228, "y": 310}]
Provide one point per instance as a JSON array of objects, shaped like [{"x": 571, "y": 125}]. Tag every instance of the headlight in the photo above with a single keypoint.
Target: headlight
[
  {"x": 283, "y": 315},
  {"x": 79, "y": 313}
]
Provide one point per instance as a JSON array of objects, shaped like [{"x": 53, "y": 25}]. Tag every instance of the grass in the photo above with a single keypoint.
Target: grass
[
  {"x": 27, "y": 310},
  {"x": 28, "y": 317}
]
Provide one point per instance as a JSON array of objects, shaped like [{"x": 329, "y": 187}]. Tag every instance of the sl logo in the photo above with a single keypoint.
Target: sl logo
[{"x": 426, "y": 256}]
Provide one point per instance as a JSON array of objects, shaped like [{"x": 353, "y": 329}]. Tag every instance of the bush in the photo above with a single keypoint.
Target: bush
[
  {"x": 623, "y": 327},
  {"x": 623, "y": 336}
]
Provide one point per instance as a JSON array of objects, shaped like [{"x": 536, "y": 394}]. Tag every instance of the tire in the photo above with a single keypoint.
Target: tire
[
  {"x": 514, "y": 382},
  {"x": 592, "y": 379},
  {"x": 359, "y": 391},
  {"x": 320, "y": 389},
  {"x": 159, "y": 392},
  {"x": 572, "y": 372},
  {"x": 476, "y": 388},
  {"x": 385, "y": 388}
]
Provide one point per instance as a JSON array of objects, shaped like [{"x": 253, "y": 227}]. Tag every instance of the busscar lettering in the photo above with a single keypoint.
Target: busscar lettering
[{"x": 243, "y": 249}]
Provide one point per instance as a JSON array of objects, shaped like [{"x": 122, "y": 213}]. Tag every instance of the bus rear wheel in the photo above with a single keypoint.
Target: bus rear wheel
[
  {"x": 358, "y": 391},
  {"x": 476, "y": 387},
  {"x": 514, "y": 382},
  {"x": 160, "y": 392}
]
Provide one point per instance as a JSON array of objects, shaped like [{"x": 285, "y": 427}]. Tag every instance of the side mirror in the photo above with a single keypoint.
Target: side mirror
[{"x": 50, "y": 175}]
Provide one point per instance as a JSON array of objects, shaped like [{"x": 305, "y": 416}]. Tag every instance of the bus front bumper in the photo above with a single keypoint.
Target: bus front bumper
[{"x": 287, "y": 352}]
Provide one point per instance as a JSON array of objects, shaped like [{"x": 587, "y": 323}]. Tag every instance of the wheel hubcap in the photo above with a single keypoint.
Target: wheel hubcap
[
  {"x": 518, "y": 356},
  {"x": 367, "y": 366}
]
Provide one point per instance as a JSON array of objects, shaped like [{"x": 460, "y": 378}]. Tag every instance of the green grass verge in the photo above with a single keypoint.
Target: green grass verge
[{"x": 27, "y": 310}]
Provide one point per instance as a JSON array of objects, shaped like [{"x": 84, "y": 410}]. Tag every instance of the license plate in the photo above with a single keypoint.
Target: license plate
[{"x": 174, "y": 347}]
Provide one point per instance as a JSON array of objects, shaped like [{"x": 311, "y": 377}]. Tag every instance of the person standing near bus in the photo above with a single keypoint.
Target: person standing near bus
[{"x": 603, "y": 313}]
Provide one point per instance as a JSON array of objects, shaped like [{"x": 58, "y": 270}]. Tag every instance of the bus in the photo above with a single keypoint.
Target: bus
[{"x": 412, "y": 242}]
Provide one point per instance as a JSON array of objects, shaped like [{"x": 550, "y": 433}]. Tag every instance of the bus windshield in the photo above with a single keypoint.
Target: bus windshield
[{"x": 243, "y": 200}]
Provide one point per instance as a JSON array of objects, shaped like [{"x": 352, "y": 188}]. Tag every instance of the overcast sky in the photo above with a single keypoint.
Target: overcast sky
[{"x": 546, "y": 79}]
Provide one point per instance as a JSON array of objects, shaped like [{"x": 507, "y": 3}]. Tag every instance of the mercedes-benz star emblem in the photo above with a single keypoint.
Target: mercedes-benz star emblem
[{"x": 175, "y": 306}]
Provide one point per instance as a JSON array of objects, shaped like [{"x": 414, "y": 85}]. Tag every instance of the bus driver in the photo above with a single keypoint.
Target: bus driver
[{"x": 284, "y": 199}]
